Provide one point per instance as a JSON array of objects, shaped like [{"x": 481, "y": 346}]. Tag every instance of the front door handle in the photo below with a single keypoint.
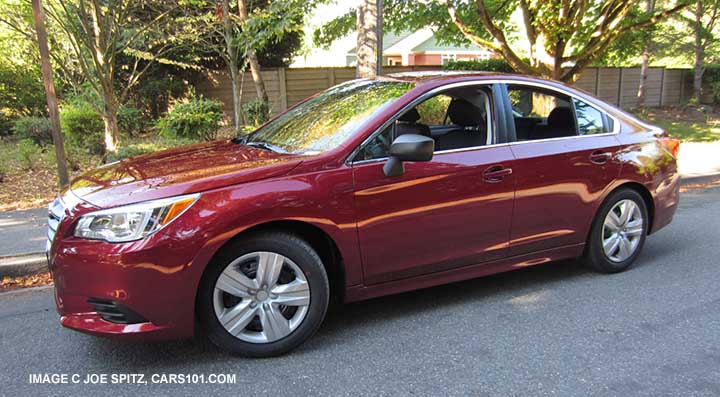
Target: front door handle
[
  {"x": 496, "y": 173},
  {"x": 600, "y": 157}
]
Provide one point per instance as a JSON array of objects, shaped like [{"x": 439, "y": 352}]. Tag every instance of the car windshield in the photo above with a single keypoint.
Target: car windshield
[{"x": 327, "y": 120}]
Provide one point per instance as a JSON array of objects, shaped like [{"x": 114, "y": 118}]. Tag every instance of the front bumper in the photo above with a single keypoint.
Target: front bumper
[
  {"x": 152, "y": 282},
  {"x": 147, "y": 281}
]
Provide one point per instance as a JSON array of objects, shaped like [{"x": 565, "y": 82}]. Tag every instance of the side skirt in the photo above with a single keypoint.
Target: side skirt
[{"x": 362, "y": 292}]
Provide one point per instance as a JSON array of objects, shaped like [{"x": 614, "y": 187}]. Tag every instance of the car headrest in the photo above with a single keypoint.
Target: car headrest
[
  {"x": 561, "y": 117},
  {"x": 419, "y": 129},
  {"x": 465, "y": 114},
  {"x": 410, "y": 117}
]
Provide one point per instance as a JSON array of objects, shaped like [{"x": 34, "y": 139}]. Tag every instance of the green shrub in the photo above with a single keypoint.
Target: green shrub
[
  {"x": 83, "y": 127},
  {"x": 76, "y": 157},
  {"x": 130, "y": 120},
  {"x": 21, "y": 87},
  {"x": 257, "y": 112},
  {"x": 198, "y": 118},
  {"x": 711, "y": 79},
  {"x": 484, "y": 65},
  {"x": 155, "y": 95},
  {"x": 28, "y": 154},
  {"x": 7, "y": 124},
  {"x": 35, "y": 129},
  {"x": 3, "y": 171}
]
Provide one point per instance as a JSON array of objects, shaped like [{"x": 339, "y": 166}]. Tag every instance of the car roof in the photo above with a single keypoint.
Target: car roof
[{"x": 439, "y": 77}]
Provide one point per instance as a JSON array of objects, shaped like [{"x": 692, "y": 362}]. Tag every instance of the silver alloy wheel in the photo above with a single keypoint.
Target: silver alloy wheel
[
  {"x": 622, "y": 230},
  {"x": 265, "y": 308}
]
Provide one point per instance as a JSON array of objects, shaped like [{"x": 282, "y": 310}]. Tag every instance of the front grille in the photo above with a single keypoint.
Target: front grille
[
  {"x": 56, "y": 211},
  {"x": 114, "y": 312}
]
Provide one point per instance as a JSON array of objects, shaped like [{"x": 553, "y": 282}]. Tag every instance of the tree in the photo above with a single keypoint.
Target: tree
[
  {"x": 251, "y": 55},
  {"x": 560, "y": 33},
  {"x": 705, "y": 22},
  {"x": 645, "y": 68},
  {"x": 556, "y": 39},
  {"x": 39, "y": 17},
  {"x": 369, "y": 47},
  {"x": 100, "y": 32},
  {"x": 242, "y": 41}
]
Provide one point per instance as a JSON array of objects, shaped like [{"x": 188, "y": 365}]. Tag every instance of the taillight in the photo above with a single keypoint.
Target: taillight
[{"x": 672, "y": 145}]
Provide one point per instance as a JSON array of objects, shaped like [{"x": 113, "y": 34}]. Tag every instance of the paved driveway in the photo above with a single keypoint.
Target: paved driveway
[{"x": 551, "y": 329}]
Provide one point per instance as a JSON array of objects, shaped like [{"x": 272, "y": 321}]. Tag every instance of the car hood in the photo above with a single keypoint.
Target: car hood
[{"x": 182, "y": 170}]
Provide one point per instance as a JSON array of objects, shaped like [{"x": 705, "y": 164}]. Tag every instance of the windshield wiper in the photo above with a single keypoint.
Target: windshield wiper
[
  {"x": 266, "y": 146},
  {"x": 242, "y": 139}
]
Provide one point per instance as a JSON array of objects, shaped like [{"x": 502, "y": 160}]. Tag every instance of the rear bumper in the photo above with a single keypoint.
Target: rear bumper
[{"x": 667, "y": 198}]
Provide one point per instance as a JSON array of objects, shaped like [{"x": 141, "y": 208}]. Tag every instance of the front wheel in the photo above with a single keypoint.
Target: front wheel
[
  {"x": 263, "y": 296},
  {"x": 618, "y": 232}
]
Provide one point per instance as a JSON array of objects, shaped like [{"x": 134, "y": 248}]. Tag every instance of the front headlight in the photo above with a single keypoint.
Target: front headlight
[{"x": 132, "y": 222}]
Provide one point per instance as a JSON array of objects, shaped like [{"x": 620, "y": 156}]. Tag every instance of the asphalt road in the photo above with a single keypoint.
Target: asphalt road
[
  {"x": 23, "y": 232},
  {"x": 551, "y": 329}
]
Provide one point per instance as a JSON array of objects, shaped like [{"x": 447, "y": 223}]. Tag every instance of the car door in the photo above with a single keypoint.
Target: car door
[
  {"x": 449, "y": 212},
  {"x": 563, "y": 165}
]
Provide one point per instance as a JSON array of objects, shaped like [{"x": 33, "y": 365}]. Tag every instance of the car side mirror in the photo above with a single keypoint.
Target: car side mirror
[{"x": 408, "y": 147}]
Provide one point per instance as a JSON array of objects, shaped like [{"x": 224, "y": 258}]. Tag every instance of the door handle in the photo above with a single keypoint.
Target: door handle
[
  {"x": 600, "y": 157},
  {"x": 496, "y": 173}
]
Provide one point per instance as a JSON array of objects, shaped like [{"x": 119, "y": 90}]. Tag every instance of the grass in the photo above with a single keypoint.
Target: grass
[{"x": 689, "y": 123}]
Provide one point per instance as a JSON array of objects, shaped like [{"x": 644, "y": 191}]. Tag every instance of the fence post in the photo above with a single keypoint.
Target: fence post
[
  {"x": 596, "y": 91},
  {"x": 682, "y": 86},
  {"x": 662, "y": 87},
  {"x": 282, "y": 83},
  {"x": 331, "y": 77},
  {"x": 620, "y": 88}
]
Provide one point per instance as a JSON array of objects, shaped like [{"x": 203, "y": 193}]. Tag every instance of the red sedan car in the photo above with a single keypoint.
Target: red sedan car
[{"x": 370, "y": 188}]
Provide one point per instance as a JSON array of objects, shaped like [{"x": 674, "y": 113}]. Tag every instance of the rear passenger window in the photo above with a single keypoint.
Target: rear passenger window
[
  {"x": 541, "y": 114},
  {"x": 590, "y": 120}
]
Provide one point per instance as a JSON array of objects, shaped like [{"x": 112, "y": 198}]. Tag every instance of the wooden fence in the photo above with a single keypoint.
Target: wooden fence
[{"x": 285, "y": 86}]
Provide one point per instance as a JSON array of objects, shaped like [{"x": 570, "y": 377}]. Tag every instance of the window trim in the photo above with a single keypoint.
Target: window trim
[
  {"x": 503, "y": 81},
  {"x": 591, "y": 102}
]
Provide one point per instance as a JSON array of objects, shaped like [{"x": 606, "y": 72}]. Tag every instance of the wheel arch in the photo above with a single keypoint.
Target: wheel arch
[
  {"x": 643, "y": 191},
  {"x": 630, "y": 185},
  {"x": 319, "y": 240}
]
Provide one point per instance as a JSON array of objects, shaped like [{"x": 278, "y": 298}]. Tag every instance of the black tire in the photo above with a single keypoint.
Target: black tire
[
  {"x": 595, "y": 256},
  {"x": 290, "y": 246}
]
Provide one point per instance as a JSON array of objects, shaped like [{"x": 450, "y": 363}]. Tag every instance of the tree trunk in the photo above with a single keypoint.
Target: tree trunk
[
  {"x": 112, "y": 131},
  {"x": 253, "y": 59},
  {"x": 237, "y": 94},
  {"x": 232, "y": 63},
  {"x": 367, "y": 39},
  {"x": 699, "y": 53},
  {"x": 645, "y": 68},
  {"x": 39, "y": 16}
]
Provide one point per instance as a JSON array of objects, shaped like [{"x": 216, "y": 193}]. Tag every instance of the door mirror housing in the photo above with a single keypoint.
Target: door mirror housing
[{"x": 408, "y": 147}]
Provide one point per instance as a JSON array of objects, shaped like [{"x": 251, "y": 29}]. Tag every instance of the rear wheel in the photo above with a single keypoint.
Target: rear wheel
[
  {"x": 618, "y": 232},
  {"x": 264, "y": 296}
]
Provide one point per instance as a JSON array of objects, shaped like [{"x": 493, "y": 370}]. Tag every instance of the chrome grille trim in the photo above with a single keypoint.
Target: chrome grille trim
[{"x": 56, "y": 211}]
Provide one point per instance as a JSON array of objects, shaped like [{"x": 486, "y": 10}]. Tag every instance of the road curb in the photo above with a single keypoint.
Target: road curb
[
  {"x": 699, "y": 180},
  {"x": 23, "y": 265}
]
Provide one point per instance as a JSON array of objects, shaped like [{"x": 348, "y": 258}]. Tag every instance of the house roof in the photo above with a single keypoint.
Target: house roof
[
  {"x": 419, "y": 41},
  {"x": 389, "y": 40},
  {"x": 432, "y": 44}
]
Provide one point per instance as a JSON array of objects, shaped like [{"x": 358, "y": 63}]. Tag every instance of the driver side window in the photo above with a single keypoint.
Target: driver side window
[{"x": 453, "y": 120}]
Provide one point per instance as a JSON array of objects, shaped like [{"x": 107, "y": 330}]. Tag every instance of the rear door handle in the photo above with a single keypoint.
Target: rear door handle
[
  {"x": 496, "y": 173},
  {"x": 600, "y": 157}
]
